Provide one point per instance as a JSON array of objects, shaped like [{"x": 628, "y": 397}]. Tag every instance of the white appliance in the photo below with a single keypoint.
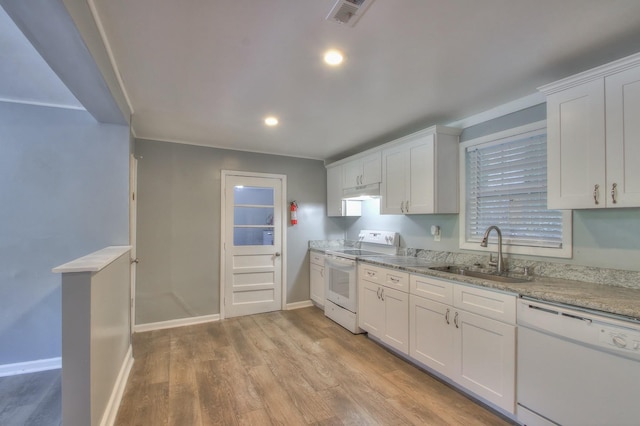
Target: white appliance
[
  {"x": 576, "y": 368},
  {"x": 341, "y": 281}
]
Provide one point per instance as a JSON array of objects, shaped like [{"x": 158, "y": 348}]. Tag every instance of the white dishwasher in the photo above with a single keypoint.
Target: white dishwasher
[{"x": 576, "y": 368}]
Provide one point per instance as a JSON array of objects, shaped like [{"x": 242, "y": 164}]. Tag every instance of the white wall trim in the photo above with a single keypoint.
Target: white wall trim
[
  {"x": 225, "y": 147},
  {"x": 111, "y": 411},
  {"x": 107, "y": 46},
  {"x": 42, "y": 104},
  {"x": 501, "y": 110},
  {"x": 182, "y": 322},
  {"x": 298, "y": 305},
  {"x": 30, "y": 366}
]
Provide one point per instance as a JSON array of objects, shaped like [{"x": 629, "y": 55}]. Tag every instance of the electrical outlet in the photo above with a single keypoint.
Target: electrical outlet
[{"x": 435, "y": 231}]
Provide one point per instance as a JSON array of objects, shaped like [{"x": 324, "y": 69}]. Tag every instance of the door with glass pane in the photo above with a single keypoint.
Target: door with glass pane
[{"x": 252, "y": 229}]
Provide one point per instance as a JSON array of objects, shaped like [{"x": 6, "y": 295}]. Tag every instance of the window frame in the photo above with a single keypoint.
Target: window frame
[{"x": 566, "y": 251}]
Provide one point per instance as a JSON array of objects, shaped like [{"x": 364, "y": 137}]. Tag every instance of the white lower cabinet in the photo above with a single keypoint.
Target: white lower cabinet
[
  {"x": 431, "y": 338},
  {"x": 316, "y": 277},
  {"x": 475, "y": 351},
  {"x": 370, "y": 315},
  {"x": 383, "y": 309},
  {"x": 485, "y": 358}
]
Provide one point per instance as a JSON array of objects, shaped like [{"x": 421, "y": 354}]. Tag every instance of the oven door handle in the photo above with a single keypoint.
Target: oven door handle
[{"x": 339, "y": 263}]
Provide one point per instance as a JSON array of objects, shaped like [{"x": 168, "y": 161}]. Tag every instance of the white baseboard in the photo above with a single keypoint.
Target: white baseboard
[
  {"x": 298, "y": 305},
  {"x": 111, "y": 411},
  {"x": 30, "y": 366},
  {"x": 175, "y": 323}
]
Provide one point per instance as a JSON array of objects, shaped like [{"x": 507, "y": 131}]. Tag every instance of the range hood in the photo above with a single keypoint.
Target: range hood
[{"x": 363, "y": 192}]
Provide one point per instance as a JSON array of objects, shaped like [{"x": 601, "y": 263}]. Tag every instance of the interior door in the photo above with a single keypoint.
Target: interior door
[{"x": 252, "y": 244}]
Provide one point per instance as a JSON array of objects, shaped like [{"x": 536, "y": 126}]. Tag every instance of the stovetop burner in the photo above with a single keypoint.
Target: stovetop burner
[{"x": 370, "y": 243}]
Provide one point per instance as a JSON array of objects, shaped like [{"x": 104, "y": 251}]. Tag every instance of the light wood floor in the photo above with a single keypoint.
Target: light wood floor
[{"x": 289, "y": 368}]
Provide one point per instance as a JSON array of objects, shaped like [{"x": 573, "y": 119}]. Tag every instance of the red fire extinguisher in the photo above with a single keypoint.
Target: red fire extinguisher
[{"x": 294, "y": 213}]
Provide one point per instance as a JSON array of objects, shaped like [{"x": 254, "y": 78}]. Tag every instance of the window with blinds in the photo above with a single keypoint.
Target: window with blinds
[{"x": 506, "y": 185}]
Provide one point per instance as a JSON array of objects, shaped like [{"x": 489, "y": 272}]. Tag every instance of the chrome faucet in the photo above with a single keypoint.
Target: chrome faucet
[{"x": 500, "y": 263}]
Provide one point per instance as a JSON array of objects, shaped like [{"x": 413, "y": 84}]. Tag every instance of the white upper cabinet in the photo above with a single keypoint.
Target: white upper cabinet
[
  {"x": 593, "y": 139},
  {"x": 420, "y": 173},
  {"x": 623, "y": 138},
  {"x": 336, "y": 206},
  {"x": 362, "y": 171}
]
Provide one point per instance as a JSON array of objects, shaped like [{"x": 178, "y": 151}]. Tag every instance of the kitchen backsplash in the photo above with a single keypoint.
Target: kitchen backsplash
[{"x": 605, "y": 276}]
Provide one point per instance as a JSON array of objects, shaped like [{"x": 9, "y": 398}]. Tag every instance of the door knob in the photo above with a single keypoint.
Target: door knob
[
  {"x": 277, "y": 254},
  {"x": 136, "y": 260}
]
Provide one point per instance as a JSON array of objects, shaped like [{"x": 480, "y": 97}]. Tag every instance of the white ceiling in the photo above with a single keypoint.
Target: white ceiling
[{"x": 208, "y": 72}]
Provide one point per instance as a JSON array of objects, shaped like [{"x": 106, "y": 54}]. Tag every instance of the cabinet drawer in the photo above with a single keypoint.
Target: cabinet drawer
[
  {"x": 387, "y": 277},
  {"x": 490, "y": 304},
  {"x": 432, "y": 288},
  {"x": 370, "y": 273},
  {"x": 317, "y": 258}
]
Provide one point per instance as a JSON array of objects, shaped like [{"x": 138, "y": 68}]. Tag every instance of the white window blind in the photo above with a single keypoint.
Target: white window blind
[{"x": 506, "y": 185}]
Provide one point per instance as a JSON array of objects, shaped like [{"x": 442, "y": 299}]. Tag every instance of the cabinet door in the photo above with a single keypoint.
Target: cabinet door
[
  {"x": 372, "y": 169},
  {"x": 431, "y": 334},
  {"x": 486, "y": 358},
  {"x": 576, "y": 147},
  {"x": 316, "y": 283},
  {"x": 421, "y": 183},
  {"x": 352, "y": 174},
  {"x": 371, "y": 308},
  {"x": 334, "y": 191},
  {"x": 394, "y": 180},
  {"x": 623, "y": 139},
  {"x": 396, "y": 314}
]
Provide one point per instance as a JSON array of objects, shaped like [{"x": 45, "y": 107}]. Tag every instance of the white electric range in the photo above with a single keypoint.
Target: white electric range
[{"x": 341, "y": 281}]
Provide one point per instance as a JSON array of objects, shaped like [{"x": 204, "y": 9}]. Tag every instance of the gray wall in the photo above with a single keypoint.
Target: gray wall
[
  {"x": 63, "y": 194},
  {"x": 603, "y": 238},
  {"x": 178, "y": 239}
]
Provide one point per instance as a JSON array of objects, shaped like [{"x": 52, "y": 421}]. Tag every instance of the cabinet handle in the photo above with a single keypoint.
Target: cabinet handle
[
  {"x": 455, "y": 320},
  {"x": 394, "y": 279},
  {"x": 378, "y": 292},
  {"x": 406, "y": 206},
  {"x": 596, "y": 194},
  {"x": 322, "y": 273},
  {"x": 371, "y": 273},
  {"x": 382, "y": 294},
  {"x": 614, "y": 187},
  {"x": 402, "y": 206},
  {"x": 446, "y": 316}
]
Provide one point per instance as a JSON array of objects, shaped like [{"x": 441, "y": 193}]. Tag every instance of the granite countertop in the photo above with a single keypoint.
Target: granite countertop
[{"x": 608, "y": 299}]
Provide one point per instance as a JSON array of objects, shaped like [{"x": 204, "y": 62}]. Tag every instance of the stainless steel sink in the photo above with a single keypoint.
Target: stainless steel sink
[{"x": 459, "y": 270}]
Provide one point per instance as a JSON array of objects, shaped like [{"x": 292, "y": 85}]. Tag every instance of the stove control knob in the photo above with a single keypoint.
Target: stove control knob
[{"x": 619, "y": 341}]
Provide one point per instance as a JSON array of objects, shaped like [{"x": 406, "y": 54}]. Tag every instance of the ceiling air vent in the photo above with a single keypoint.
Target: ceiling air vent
[{"x": 348, "y": 12}]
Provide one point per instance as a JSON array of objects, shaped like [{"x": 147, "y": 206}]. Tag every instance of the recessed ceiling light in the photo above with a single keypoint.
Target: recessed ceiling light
[
  {"x": 333, "y": 57},
  {"x": 271, "y": 121}
]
